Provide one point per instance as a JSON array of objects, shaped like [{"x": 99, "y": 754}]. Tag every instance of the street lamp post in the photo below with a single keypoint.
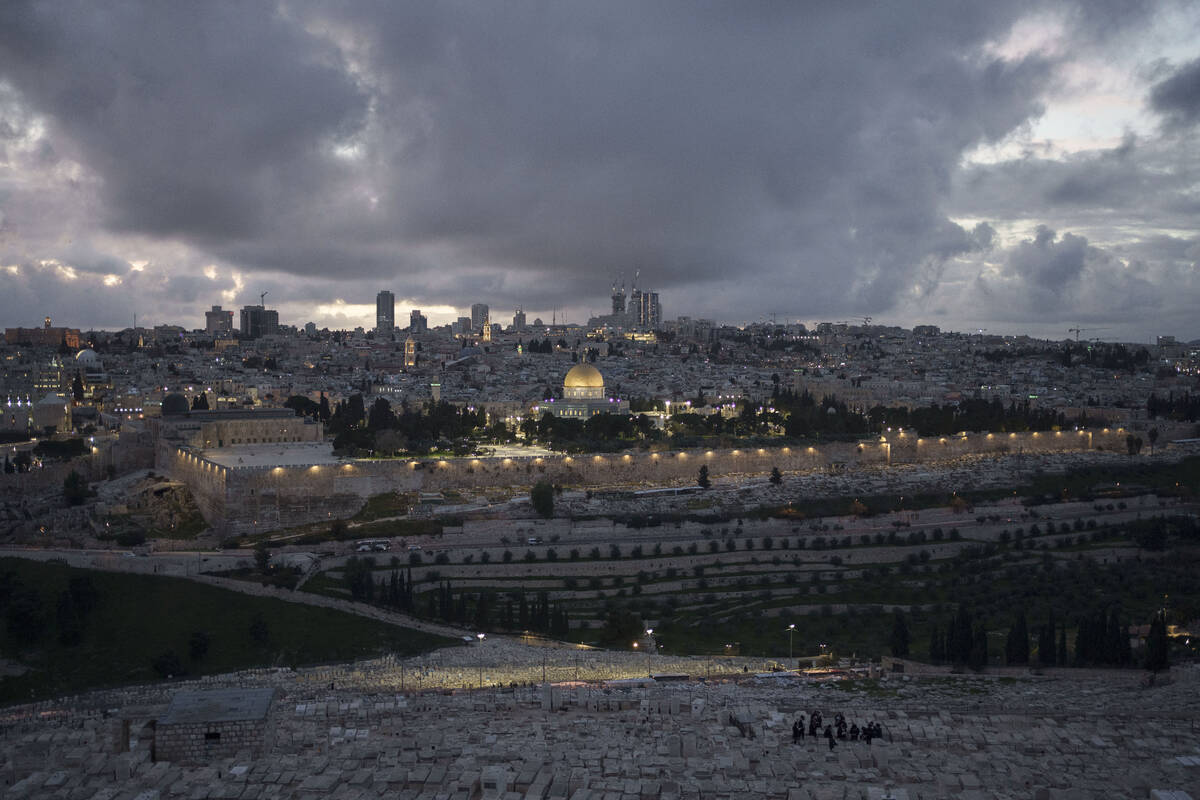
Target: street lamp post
[
  {"x": 649, "y": 648},
  {"x": 791, "y": 629},
  {"x": 480, "y": 637}
]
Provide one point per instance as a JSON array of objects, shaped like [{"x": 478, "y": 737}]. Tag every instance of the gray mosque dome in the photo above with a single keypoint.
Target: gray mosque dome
[{"x": 175, "y": 404}]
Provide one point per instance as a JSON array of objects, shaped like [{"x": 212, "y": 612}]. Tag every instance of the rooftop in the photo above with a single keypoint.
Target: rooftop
[
  {"x": 292, "y": 454},
  {"x": 218, "y": 705}
]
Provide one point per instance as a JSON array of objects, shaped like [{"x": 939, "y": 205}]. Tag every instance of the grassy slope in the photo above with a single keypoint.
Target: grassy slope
[{"x": 138, "y": 617}]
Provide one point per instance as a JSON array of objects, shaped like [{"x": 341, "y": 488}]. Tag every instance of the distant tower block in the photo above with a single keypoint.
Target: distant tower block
[
  {"x": 618, "y": 300},
  {"x": 479, "y": 316},
  {"x": 385, "y": 313}
]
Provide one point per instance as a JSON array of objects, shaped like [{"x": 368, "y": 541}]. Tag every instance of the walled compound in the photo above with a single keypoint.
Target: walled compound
[{"x": 251, "y": 473}]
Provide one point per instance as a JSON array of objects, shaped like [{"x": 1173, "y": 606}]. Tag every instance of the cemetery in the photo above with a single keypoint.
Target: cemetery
[{"x": 559, "y": 722}]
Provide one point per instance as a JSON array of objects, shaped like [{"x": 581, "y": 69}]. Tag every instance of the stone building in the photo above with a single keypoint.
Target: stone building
[
  {"x": 209, "y": 430},
  {"x": 202, "y": 726}
]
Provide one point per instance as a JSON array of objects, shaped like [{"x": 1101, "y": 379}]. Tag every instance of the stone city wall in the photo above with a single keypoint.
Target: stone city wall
[{"x": 246, "y": 499}]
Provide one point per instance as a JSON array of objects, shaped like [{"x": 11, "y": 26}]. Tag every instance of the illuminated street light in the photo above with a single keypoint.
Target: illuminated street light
[
  {"x": 791, "y": 629},
  {"x": 480, "y": 637}
]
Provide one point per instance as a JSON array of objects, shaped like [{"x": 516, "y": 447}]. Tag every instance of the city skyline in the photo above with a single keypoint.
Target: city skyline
[{"x": 1019, "y": 169}]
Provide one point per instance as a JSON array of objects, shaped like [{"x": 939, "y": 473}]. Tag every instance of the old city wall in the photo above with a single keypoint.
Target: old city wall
[
  {"x": 665, "y": 468},
  {"x": 266, "y": 498},
  {"x": 206, "y": 480},
  {"x": 643, "y": 469}
]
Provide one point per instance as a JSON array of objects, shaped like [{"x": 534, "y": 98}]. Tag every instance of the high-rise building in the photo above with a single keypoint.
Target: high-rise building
[
  {"x": 479, "y": 316},
  {"x": 652, "y": 311},
  {"x": 644, "y": 310},
  {"x": 385, "y": 312},
  {"x": 618, "y": 300},
  {"x": 417, "y": 322},
  {"x": 218, "y": 322},
  {"x": 519, "y": 321},
  {"x": 464, "y": 326},
  {"x": 259, "y": 321}
]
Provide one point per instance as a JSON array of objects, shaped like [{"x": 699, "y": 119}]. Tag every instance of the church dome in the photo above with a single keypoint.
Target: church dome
[
  {"x": 174, "y": 404},
  {"x": 87, "y": 358},
  {"x": 583, "y": 376}
]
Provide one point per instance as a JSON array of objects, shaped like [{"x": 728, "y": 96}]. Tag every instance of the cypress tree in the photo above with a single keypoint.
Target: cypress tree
[
  {"x": 1062, "y": 646},
  {"x": 978, "y": 656},
  {"x": 1156, "y": 645},
  {"x": 961, "y": 639},
  {"x": 937, "y": 646},
  {"x": 1016, "y": 647},
  {"x": 1046, "y": 653},
  {"x": 1113, "y": 637},
  {"x": 899, "y": 637}
]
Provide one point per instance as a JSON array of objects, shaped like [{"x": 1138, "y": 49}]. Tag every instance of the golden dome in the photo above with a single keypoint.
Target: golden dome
[{"x": 583, "y": 376}]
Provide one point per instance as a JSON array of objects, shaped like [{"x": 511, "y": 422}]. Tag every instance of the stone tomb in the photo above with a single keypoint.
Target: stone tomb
[{"x": 202, "y": 726}]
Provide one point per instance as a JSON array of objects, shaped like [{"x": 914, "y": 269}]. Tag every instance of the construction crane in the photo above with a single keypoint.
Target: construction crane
[
  {"x": 1078, "y": 331},
  {"x": 262, "y": 299}
]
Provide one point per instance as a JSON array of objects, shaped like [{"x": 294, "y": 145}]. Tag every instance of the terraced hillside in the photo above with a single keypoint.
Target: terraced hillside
[{"x": 736, "y": 585}]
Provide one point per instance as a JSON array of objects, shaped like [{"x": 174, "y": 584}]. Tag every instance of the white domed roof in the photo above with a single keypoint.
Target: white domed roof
[{"x": 87, "y": 357}]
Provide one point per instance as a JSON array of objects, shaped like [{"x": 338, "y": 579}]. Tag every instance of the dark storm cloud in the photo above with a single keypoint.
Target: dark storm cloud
[
  {"x": 200, "y": 117},
  {"x": 1048, "y": 262},
  {"x": 524, "y": 153},
  {"x": 1145, "y": 181},
  {"x": 1050, "y": 277},
  {"x": 551, "y": 145},
  {"x": 1178, "y": 97}
]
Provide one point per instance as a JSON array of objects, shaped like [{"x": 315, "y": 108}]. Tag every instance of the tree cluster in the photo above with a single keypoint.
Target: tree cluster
[
  {"x": 969, "y": 415},
  {"x": 1102, "y": 640},
  {"x": 961, "y": 642},
  {"x": 1184, "y": 408}
]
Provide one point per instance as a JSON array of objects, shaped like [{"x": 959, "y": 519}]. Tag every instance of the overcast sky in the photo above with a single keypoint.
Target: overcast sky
[{"x": 1010, "y": 166}]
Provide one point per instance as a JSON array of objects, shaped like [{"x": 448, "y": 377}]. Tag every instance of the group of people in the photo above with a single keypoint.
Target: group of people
[{"x": 836, "y": 730}]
